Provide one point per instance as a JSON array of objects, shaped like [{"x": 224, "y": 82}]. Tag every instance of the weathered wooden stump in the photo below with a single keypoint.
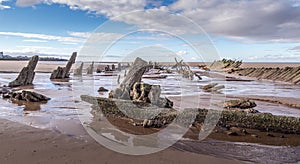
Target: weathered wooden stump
[
  {"x": 185, "y": 70},
  {"x": 132, "y": 89},
  {"x": 64, "y": 72},
  {"x": 119, "y": 67},
  {"x": 78, "y": 71},
  {"x": 27, "y": 74},
  {"x": 135, "y": 73},
  {"x": 90, "y": 69}
]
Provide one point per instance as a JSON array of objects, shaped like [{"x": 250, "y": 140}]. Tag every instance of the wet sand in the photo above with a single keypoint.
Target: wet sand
[
  {"x": 21, "y": 143},
  {"x": 16, "y": 66},
  {"x": 24, "y": 144},
  {"x": 268, "y": 65},
  {"x": 48, "y": 66},
  {"x": 218, "y": 133}
]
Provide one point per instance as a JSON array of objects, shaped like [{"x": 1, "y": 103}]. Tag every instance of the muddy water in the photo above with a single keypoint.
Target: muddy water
[{"x": 61, "y": 112}]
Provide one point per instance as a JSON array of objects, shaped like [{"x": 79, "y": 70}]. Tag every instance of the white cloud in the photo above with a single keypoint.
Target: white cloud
[
  {"x": 181, "y": 52},
  {"x": 2, "y": 7},
  {"x": 35, "y": 41},
  {"x": 39, "y": 50},
  {"x": 96, "y": 36},
  {"x": 36, "y": 49},
  {"x": 24, "y": 3},
  {"x": 44, "y": 37},
  {"x": 104, "y": 7},
  {"x": 80, "y": 34},
  {"x": 259, "y": 20},
  {"x": 52, "y": 45},
  {"x": 278, "y": 57},
  {"x": 160, "y": 20},
  {"x": 246, "y": 21}
]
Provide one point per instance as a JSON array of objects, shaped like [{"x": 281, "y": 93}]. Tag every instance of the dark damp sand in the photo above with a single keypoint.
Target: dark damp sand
[
  {"x": 219, "y": 133},
  {"x": 27, "y": 145}
]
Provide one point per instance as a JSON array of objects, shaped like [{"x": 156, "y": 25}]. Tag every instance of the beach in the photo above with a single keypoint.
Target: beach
[
  {"x": 55, "y": 133},
  {"x": 24, "y": 144}
]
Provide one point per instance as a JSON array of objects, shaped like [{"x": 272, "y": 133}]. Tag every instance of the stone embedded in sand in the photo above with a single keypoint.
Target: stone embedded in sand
[
  {"x": 78, "y": 71},
  {"x": 90, "y": 69},
  {"x": 213, "y": 87},
  {"x": 28, "y": 96},
  {"x": 250, "y": 110},
  {"x": 64, "y": 72},
  {"x": 102, "y": 89},
  {"x": 241, "y": 105},
  {"x": 209, "y": 86},
  {"x": 27, "y": 74},
  {"x": 4, "y": 90}
]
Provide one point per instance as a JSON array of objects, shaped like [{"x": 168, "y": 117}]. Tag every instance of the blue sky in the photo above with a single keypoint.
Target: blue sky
[{"x": 258, "y": 30}]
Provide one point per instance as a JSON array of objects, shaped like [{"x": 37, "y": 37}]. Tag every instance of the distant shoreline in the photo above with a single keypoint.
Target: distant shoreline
[{"x": 41, "y": 59}]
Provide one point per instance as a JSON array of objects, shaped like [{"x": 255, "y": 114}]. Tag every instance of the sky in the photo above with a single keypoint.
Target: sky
[{"x": 194, "y": 30}]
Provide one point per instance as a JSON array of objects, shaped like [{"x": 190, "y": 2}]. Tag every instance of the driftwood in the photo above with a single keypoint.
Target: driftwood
[
  {"x": 27, "y": 74},
  {"x": 226, "y": 65},
  {"x": 135, "y": 73},
  {"x": 132, "y": 89},
  {"x": 204, "y": 67},
  {"x": 78, "y": 71},
  {"x": 123, "y": 108},
  {"x": 287, "y": 74},
  {"x": 185, "y": 70},
  {"x": 90, "y": 69},
  {"x": 64, "y": 72}
]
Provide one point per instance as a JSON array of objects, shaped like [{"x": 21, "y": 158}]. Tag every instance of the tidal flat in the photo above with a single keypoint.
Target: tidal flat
[{"x": 54, "y": 128}]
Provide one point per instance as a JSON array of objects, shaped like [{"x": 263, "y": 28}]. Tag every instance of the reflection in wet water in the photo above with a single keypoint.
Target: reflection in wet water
[
  {"x": 28, "y": 106},
  {"x": 246, "y": 152},
  {"x": 64, "y": 93},
  {"x": 65, "y": 104}
]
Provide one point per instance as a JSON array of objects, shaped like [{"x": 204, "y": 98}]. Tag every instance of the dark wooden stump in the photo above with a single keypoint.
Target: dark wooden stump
[{"x": 27, "y": 74}]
